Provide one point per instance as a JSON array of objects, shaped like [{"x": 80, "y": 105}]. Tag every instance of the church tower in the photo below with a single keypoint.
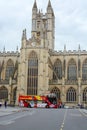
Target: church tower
[
  {"x": 33, "y": 70},
  {"x": 43, "y": 25}
]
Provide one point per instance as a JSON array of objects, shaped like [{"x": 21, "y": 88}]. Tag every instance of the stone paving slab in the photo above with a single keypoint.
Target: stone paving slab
[
  {"x": 9, "y": 110},
  {"x": 85, "y": 111}
]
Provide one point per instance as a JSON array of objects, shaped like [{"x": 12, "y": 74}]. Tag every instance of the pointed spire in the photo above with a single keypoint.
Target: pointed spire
[
  {"x": 4, "y": 49},
  {"x": 34, "y": 9},
  {"x": 39, "y": 11},
  {"x": 49, "y": 4},
  {"x": 65, "y": 47},
  {"x": 17, "y": 49},
  {"x": 24, "y": 34},
  {"x": 79, "y": 50},
  {"x": 49, "y": 8},
  {"x": 35, "y": 4},
  {"x": 79, "y": 47}
]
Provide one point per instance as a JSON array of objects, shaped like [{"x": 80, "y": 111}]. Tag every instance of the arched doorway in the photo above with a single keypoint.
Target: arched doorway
[
  {"x": 56, "y": 91},
  {"x": 85, "y": 95},
  {"x": 71, "y": 95},
  {"x": 3, "y": 93}
]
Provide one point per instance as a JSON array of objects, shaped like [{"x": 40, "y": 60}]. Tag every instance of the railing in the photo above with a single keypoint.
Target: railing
[
  {"x": 84, "y": 82},
  {"x": 60, "y": 82},
  {"x": 54, "y": 82},
  {"x": 66, "y": 82},
  {"x": 4, "y": 81},
  {"x": 71, "y": 82}
]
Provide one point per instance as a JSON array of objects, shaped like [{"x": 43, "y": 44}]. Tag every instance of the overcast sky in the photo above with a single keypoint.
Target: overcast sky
[{"x": 70, "y": 22}]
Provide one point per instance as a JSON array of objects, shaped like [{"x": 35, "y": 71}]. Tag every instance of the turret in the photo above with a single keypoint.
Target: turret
[
  {"x": 4, "y": 49},
  {"x": 34, "y": 16},
  {"x": 64, "y": 48},
  {"x": 49, "y": 8},
  {"x": 24, "y": 38},
  {"x": 79, "y": 48},
  {"x": 43, "y": 25},
  {"x": 34, "y": 10},
  {"x": 51, "y": 25}
]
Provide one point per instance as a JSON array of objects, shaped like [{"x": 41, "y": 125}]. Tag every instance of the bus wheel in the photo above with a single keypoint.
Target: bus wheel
[{"x": 29, "y": 106}]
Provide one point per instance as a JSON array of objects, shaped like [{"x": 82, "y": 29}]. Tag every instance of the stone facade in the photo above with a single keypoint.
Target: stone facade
[{"x": 39, "y": 69}]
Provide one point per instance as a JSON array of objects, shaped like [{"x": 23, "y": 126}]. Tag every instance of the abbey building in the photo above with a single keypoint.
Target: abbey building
[{"x": 38, "y": 69}]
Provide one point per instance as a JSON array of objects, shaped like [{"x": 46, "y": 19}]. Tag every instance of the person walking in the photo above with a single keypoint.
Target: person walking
[
  {"x": 0, "y": 103},
  {"x": 5, "y": 103}
]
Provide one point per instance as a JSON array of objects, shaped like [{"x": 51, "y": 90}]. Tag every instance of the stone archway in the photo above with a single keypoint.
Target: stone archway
[
  {"x": 3, "y": 93},
  {"x": 71, "y": 95},
  {"x": 56, "y": 91},
  {"x": 85, "y": 95}
]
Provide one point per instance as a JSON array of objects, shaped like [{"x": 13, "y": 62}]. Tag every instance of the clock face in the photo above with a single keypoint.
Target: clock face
[{"x": 33, "y": 43}]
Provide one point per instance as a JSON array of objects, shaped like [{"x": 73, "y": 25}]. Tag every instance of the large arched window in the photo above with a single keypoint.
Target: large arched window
[
  {"x": 84, "y": 70},
  {"x": 32, "y": 74},
  {"x": 71, "y": 95},
  {"x": 9, "y": 69},
  {"x": 85, "y": 95},
  {"x": 57, "y": 73},
  {"x": 56, "y": 91},
  {"x": 3, "y": 93},
  {"x": 72, "y": 70}
]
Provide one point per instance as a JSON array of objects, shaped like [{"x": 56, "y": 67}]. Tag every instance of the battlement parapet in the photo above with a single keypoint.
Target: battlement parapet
[
  {"x": 69, "y": 52},
  {"x": 8, "y": 53}
]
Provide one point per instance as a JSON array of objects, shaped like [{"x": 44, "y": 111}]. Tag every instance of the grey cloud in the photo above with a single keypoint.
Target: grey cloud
[{"x": 70, "y": 17}]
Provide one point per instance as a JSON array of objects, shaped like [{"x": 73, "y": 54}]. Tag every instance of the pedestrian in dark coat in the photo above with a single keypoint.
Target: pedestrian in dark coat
[{"x": 5, "y": 104}]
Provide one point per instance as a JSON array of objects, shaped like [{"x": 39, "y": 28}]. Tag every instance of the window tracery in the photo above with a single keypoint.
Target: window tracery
[
  {"x": 72, "y": 70},
  {"x": 32, "y": 74}
]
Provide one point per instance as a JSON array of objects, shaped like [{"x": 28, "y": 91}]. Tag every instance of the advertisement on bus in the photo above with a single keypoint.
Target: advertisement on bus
[{"x": 36, "y": 101}]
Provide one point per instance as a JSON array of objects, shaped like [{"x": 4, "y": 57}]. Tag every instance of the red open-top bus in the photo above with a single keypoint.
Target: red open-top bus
[{"x": 36, "y": 101}]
